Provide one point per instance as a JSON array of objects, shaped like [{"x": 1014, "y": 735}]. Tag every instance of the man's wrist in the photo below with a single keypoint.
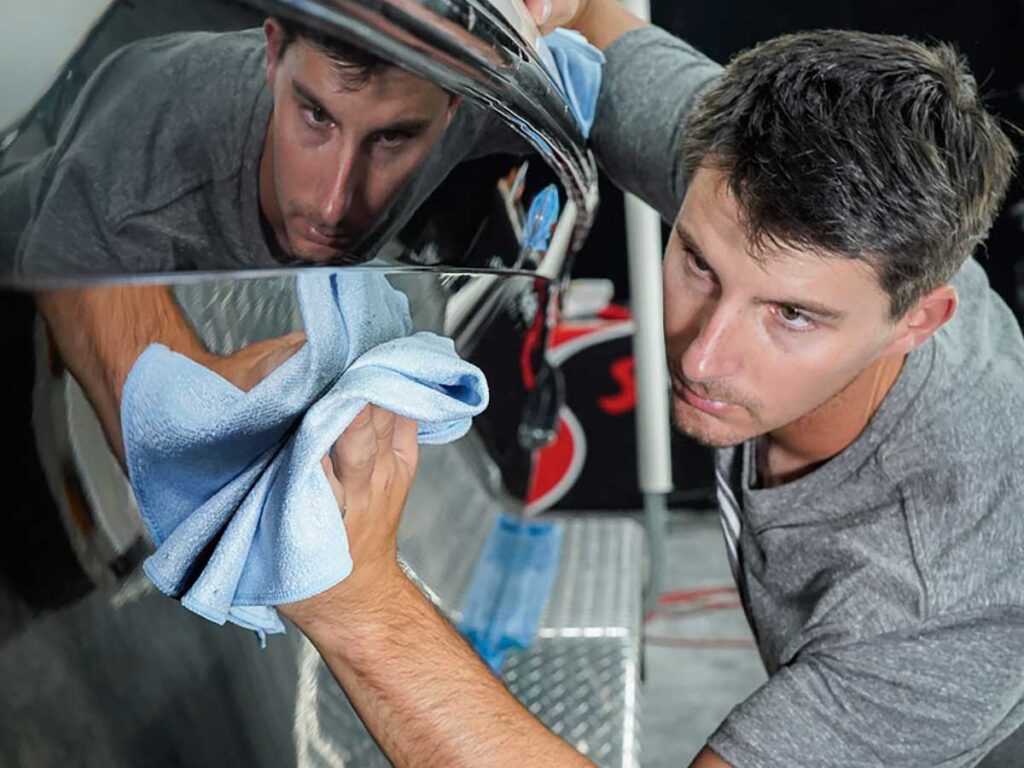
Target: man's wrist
[
  {"x": 603, "y": 22},
  {"x": 357, "y": 611}
]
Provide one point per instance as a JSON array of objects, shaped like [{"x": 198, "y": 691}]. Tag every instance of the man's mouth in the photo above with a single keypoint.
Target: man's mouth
[
  {"x": 327, "y": 238},
  {"x": 706, "y": 404}
]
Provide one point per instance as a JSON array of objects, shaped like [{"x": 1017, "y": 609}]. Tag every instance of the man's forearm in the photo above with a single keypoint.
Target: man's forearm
[
  {"x": 422, "y": 692},
  {"x": 100, "y": 332}
]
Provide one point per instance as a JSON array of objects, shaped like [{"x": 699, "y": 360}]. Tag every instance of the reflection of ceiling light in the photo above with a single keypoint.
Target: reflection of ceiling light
[{"x": 589, "y": 633}]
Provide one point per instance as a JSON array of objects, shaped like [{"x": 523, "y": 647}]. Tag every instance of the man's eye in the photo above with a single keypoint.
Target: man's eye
[
  {"x": 392, "y": 138},
  {"x": 317, "y": 116},
  {"x": 793, "y": 318},
  {"x": 698, "y": 266}
]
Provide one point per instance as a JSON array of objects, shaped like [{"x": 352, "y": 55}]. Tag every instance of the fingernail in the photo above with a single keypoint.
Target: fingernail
[{"x": 545, "y": 12}]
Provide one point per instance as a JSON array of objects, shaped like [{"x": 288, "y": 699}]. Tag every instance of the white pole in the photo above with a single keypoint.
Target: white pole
[
  {"x": 654, "y": 453},
  {"x": 643, "y": 238}
]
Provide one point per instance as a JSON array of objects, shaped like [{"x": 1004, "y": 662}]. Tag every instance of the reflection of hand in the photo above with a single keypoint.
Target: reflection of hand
[
  {"x": 252, "y": 364},
  {"x": 370, "y": 469}
]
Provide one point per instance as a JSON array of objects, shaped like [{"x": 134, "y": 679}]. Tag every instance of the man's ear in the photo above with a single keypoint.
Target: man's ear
[
  {"x": 274, "y": 33},
  {"x": 932, "y": 311}
]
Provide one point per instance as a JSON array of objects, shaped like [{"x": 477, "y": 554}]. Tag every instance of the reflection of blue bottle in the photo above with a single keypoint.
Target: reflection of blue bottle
[
  {"x": 510, "y": 586},
  {"x": 539, "y": 225}
]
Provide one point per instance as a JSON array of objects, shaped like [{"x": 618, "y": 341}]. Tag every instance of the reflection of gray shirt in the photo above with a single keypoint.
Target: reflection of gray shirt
[{"x": 885, "y": 589}]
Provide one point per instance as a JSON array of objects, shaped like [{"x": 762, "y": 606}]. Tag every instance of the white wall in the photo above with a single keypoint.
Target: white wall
[{"x": 39, "y": 36}]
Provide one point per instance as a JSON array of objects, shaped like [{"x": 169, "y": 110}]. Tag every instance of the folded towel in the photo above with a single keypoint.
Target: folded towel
[
  {"x": 509, "y": 587},
  {"x": 577, "y": 66},
  {"x": 229, "y": 483}
]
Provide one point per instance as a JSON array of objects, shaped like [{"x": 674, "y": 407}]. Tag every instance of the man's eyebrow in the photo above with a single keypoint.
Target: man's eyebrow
[
  {"x": 411, "y": 125},
  {"x": 684, "y": 236},
  {"x": 810, "y": 307}
]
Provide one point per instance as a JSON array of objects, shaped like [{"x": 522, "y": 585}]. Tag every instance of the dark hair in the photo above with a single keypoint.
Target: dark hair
[
  {"x": 354, "y": 65},
  {"x": 872, "y": 147}
]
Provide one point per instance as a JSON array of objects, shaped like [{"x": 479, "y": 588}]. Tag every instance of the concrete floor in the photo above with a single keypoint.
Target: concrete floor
[{"x": 700, "y": 658}]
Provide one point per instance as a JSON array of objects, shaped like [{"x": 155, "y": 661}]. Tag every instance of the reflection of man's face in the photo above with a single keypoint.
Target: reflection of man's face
[
  {"x": 337, "y": 151},
  {"x": 757, "y": 345}
]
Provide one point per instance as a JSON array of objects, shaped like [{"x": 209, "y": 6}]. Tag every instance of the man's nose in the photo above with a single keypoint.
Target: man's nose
[
  {"x": 715, "y": 351},
  {"x": 344, "y": 183}
]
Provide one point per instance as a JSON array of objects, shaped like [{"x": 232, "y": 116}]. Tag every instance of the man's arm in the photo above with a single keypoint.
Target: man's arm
[
  {"x": 650, "y": 85},
  {"x": 422, "y": 692},
  {"x": 419, "y": 688},
  {"x": 99, "y": 333}
]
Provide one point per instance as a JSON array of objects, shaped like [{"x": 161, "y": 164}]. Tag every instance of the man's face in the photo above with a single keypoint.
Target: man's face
[
  {"x": 335, "y": 154},
  {"x": 754, "y": 345}
]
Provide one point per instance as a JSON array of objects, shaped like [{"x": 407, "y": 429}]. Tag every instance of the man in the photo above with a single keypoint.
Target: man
[{"x": 829, "y": 334}]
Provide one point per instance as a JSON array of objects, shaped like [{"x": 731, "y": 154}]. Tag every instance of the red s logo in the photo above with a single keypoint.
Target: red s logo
[{"x": 624, "y": 400}]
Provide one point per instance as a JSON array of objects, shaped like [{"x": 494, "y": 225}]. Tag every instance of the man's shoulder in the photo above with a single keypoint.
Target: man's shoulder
[
  {"x": 189, "y": 55},
  {"x": 958, "y": 456},
  {"x": 972, "y": 403}
]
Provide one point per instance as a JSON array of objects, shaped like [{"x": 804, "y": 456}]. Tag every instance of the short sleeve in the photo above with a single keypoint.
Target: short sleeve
[
  {"x": 944, "y": 695},
  {"x": 651, "y": 82},
  {"x": 91, "y": 170}
]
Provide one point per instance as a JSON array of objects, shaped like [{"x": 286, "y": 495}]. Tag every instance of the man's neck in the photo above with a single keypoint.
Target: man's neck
[{"x": 801, "y": 446}]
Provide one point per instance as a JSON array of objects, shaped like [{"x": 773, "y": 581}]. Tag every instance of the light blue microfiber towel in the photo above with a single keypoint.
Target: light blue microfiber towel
[
  {"x": 229, "y": 483},
  {"x": 578, "y": 67}
]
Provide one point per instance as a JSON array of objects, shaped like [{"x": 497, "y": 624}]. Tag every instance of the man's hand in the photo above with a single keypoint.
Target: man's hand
[
  {"x": 551, "y": 14},
  {"x": 600, "y": 21},
  {"x": 252, "y": 364},
  {"x": 370, "y": 469}
]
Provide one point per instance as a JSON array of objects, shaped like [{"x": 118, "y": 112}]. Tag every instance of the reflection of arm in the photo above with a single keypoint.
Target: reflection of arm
[
  {"x": 708, "y": 759},
  {"x": 100, "y": 332},
  {"x": 423, "y": 693}
]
